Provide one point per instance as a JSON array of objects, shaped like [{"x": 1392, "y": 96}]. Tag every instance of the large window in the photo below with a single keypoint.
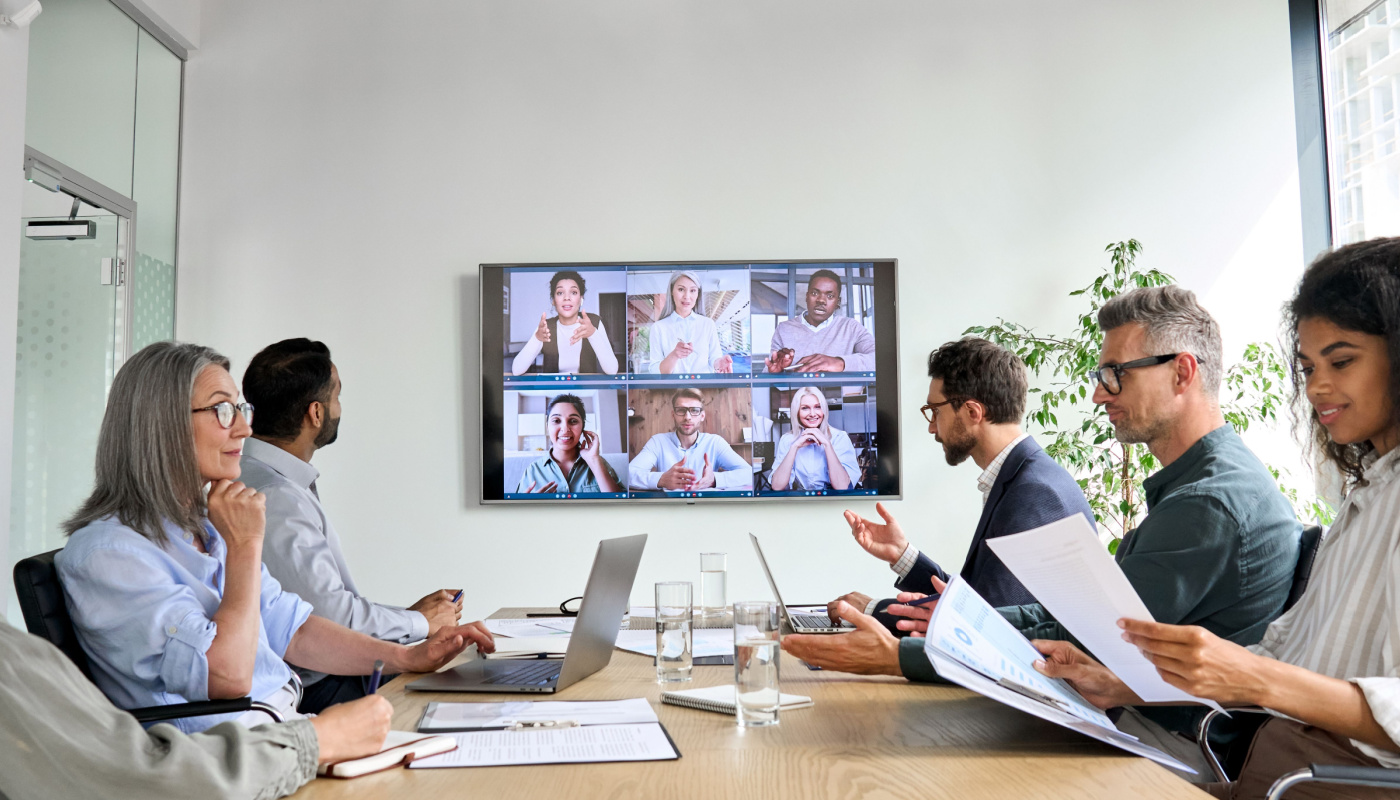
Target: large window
[{"x": 1361, "y": 61}]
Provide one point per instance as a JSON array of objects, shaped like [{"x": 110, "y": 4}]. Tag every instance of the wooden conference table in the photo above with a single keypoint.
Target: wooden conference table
[{"x": 876, "y": 737}]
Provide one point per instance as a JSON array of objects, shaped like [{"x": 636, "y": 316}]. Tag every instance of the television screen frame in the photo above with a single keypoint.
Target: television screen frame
[{"x": 493, "y": 383}]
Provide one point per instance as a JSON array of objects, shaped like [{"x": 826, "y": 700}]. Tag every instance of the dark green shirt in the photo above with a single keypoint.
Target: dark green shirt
[{"x": 1217, "y": 549}]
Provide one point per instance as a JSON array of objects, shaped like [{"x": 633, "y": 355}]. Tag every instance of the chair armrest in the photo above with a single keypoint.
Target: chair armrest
[
  {"x": 1203, "y": 738},
  {"x": 201, "y": 709},
  {"x": 1379, "y": 777}
]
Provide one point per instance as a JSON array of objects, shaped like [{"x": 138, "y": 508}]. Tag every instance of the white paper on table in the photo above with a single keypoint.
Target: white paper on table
[
  {"x": 966, "y": 629},
  {"x": 457, "y": 716},
  {"x": 525, "y": 627},
  {"x": 1070, "y": 573},
  {"x": 704, "y": 642},
  {"x": 983, "y": 685},
  {"x": 525, "y": 646},
  {"x": 595, "y": 744}
]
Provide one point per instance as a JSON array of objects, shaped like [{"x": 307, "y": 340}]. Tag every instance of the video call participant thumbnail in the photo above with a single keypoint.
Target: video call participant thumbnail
[
  {"x": 574, "y": 462},
  {"x": 820, "y": 340},
  {"x": 684, "y": 339},
  {"x": 573, "y": 341},
  {"x": 687, "y": 459},
  {"x": 814, "y": 455}
]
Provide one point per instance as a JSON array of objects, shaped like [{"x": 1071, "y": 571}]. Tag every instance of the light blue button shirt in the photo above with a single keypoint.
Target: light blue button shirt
[
  {"x": 809, "y": 470},
  {"x": 698, "y": 330},
  {"x": 663, "y": 450},
  {"x": 144, "y": 616}
]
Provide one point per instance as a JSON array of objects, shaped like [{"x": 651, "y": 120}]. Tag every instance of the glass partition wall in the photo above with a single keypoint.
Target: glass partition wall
[{"x": 102, "y": 135}]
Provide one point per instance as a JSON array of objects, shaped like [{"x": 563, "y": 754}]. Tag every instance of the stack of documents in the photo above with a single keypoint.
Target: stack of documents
[
  {"x": 549, "y": 732},
  {"x": 972, "y": 645},
  {"x": 1070, "y": 573}
]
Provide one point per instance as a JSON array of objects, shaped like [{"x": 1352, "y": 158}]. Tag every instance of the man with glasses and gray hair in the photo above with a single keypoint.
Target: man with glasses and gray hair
[
  {"x": 1219, "y": 545},
  {"x": 686, "y": 459}
]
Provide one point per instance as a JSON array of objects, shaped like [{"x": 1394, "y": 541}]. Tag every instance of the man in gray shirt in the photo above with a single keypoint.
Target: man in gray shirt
[
  {"x": 60, "y": 737},
  {"x": 296, "y": 390},
  {"x": 821, "y": 340}
]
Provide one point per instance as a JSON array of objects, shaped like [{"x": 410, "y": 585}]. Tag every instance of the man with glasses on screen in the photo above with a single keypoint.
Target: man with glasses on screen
[
  {"x": 686, "y": 459},
  {"x": 821, "y": 340},
  {"x": 1219, "y": 544}
]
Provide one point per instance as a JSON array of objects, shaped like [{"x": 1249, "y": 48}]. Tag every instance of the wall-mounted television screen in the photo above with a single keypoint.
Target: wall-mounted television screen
[{"x": 689, "y": 381}]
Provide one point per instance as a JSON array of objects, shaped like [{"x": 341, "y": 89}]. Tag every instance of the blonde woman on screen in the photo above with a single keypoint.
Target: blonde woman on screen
[
  {"x": 684, "y": 339},
  {"x": 814, "y": 455}
]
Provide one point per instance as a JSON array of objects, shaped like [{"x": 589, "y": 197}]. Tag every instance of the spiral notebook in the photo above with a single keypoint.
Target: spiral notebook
[{"x": 720, "y": 699}]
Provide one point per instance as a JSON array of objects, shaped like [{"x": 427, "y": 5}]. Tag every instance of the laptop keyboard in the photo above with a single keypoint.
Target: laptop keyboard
[
  {"x": 812, "y": 621},
  {"x": 535, "y": 674}
]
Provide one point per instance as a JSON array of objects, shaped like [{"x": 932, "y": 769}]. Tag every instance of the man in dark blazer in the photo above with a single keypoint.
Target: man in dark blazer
[{"x": 976, "y": 398}]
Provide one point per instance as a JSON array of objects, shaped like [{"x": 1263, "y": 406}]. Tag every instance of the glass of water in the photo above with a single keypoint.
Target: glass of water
[
  {"x": 756, "y": 663},
  {"x": 674, "y": 606},
  {"x": 712, "y": 585}
]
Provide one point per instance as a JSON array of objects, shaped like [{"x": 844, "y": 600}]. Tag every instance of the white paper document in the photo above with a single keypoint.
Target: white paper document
[
  {"x": 972, "y": 645},
  {"x": 593, "y": 744},
  {"x": 443, "y": 717},
  {"x": 704, "y": 642},
  {"x": 531, "y": 646},
  {"x": 1070, "y": 573},
  {"x": 527, "y": 627}
]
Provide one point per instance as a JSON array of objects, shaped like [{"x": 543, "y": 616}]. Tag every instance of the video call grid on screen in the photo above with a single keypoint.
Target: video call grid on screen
[{"x": 750, "y": 343}]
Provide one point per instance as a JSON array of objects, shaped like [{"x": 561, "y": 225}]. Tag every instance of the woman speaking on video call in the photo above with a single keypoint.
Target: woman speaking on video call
[
  {"x": 814, "y": 455},
  {"x": 574, "y": 462},
  {"x": 684, "y": 340},
  {"x": 573, "y": 342}
]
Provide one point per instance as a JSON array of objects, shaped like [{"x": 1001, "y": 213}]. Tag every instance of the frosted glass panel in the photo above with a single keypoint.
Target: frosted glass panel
[
  {"x": 156, "y": 173},
  {"x": 81, "y": 106},
  {"x": 63, "y": 366}
]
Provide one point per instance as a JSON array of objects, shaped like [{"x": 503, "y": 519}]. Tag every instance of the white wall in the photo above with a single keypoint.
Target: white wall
[
  {"x": 14, "y": 62},
  {"x": 344, "y": 175}
]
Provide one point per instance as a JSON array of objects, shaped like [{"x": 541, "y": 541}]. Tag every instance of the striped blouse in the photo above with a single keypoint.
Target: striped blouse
[{"x": 1347, "y": 623}]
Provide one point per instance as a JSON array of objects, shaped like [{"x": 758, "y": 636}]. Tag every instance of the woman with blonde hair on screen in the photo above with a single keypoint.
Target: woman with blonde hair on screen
[
  {"x": 684, "y": 339},
  {"x": 814, "y": 455}
]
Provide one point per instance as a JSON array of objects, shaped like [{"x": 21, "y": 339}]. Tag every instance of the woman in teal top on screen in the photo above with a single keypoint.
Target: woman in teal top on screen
[
  {"x": 575, "y": 461},
  {"x": 684, "y": 340}
]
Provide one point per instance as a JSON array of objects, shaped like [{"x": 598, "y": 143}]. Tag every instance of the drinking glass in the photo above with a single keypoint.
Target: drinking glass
[
  {"x": 712, "y": 585},
  {"x": 756, "y": 664},
  {"x": 674, "y": 606}
]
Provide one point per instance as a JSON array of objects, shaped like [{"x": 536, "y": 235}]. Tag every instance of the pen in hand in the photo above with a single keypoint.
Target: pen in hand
[
  {"x": 375, "y": 677},
  {"x": 923, "y": 601},
  {"x": 458, "y": 596}
]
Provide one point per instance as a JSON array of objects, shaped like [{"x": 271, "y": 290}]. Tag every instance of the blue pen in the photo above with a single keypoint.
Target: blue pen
[
  {"x": 923, "y": 601},
  {"x": 374, "y": 678},
  {"x": 458, "y": 596}
]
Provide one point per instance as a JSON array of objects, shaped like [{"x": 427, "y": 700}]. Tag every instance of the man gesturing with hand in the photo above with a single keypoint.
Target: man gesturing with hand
[{"x": 698, "y": 461}]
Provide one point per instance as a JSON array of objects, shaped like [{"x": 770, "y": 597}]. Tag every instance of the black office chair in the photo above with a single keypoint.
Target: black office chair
[
  {"x": 1353, "y": 776},
  {"x": 46, "y": 614}
]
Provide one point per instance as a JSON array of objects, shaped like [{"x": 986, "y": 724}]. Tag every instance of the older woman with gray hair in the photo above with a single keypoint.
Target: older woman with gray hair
[
  {"x": 684, "y": 340},
  {"x": 163, "y": 568}
]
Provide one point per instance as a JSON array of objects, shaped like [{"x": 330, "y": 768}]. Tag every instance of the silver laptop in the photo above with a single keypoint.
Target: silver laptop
[
  {"x": 797, "y": 623},
  {"x": 590, "y": 646}
]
